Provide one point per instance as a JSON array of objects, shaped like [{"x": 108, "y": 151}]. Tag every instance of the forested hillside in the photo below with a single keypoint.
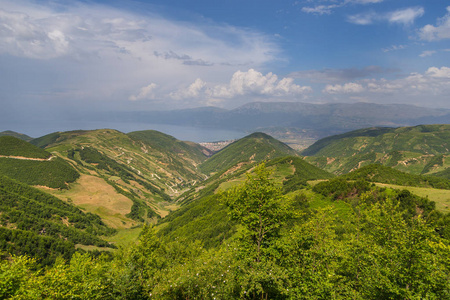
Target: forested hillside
[
  {"x": 34, "y": 166},
  {"x": 42, "y": 226},
  {"x": 12, "y": 146},
  {"x": 420, "y": 149}
]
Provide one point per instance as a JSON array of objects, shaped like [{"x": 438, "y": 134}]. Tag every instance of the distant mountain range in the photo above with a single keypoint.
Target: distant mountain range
[
  {"x": 294, "y": 123},
  {"x": 323, "y": 119}
]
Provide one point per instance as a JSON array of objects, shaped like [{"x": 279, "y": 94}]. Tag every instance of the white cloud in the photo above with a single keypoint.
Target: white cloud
[
  {"x": 146, "y": 92},
  {"x": 103, "y": 53},
  {"x": 255, "y": 83},
  {"x": 429, "y": 89},
  {"x": 320, "y": 9},
  {"x": 434, "y": 72},
  {"x": 348, "y": 88},
  {"x": 439, "y": 32},
  {"x": 427, "y": 53},
  {"x": 394, "y": 48},
  {"x": 327, "y": 9},
  {"x": 251, "y": 85},
  {"x": 363, "y": 19},
  {"x": 192, "y": 91},
  {"x": 405, "y": 16},
  {"x": 434, "y": 82}
]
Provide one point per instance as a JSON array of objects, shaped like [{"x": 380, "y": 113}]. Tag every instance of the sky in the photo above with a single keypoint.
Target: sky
[{"x": 63, "y": 59}]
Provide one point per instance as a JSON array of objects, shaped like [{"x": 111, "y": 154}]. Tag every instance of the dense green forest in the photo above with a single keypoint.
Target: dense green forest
[
  {"x": 55, "y": 173},
  {"x": 12, "y": 146}
]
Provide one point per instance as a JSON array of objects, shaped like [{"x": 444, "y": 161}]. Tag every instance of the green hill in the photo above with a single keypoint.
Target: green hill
[
  {"x": 42, "y": 226},
  {"x": 16, "y": 134},
  {"x": 255, "y": 147},
  {"x": 33, "y": 165},
  {"x": 420, "y": 149},
  {"x": 164, "y": 142},
  {"x": 12, "y": 146}
]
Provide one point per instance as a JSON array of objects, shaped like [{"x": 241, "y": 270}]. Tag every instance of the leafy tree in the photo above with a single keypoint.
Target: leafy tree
[{"x": 258, "y": 205}]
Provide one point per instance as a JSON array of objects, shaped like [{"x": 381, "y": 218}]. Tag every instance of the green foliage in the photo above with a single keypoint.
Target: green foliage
[
  {"x": 303, "y": 172},
  {"x": 12, "y": 146},
  {"x": 205, "y": 220},
  {"x": 445, "y": 173},
  {"x": 258, "y": 207},
  {"x": 339, "y": 188}
]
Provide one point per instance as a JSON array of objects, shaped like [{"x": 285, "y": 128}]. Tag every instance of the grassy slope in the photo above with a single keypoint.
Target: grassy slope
[
  {"x": 164, "y": 142},
  {"x": 420, "y": 149}
]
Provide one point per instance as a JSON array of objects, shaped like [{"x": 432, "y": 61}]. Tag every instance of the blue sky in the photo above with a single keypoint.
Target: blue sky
[{"x": 63, "y": 58}]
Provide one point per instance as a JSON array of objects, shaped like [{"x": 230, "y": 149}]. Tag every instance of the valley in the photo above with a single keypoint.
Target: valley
[{"x": 147, "y": 190}]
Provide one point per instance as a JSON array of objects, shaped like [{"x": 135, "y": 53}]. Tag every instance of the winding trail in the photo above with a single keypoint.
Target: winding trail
[{"x": 28, "y": 158}]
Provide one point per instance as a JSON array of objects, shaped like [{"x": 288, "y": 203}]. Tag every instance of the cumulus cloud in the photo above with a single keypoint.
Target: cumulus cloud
[
  {"x": 405, "y": 16},
  {"x": 250, "y": 84},
  {"x": 192, "y": 91},
  {"x": 146, "y": 92},
  {"x": 255, "y": 83},
  {"x": 439, "y": 32}
]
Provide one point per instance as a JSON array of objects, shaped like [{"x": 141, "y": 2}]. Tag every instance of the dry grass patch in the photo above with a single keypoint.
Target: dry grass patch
[{"x": 96, "y": 196}]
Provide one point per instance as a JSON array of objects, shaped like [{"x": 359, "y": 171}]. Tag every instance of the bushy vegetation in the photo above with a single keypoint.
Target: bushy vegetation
[
  {"x": 382, "y": 174},
  {"x": 55, "y": 173},
  {"x": 42, "y": 226},
  {"x": 12, "y": 146},
  {"x": 303, "y": 172}
]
